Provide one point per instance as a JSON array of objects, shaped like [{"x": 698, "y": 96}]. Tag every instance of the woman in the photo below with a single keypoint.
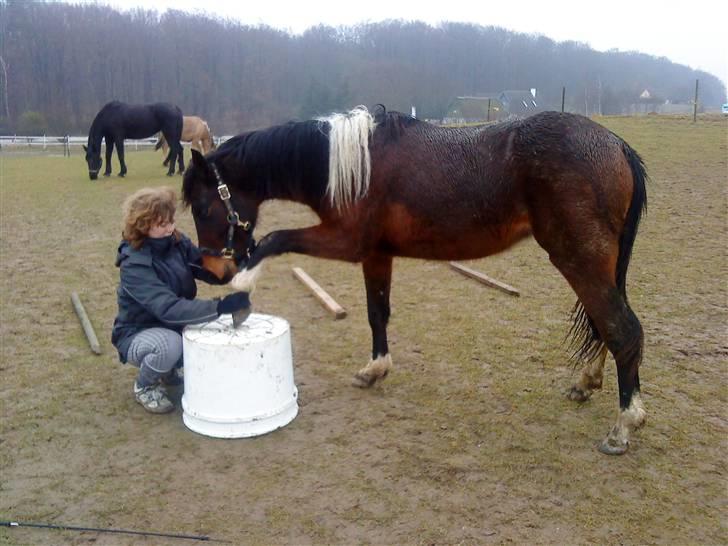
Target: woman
[{"x": 156, "y": 294}]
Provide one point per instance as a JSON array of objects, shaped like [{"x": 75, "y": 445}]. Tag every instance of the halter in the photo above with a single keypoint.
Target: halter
[{"x": 232, "y": 217}]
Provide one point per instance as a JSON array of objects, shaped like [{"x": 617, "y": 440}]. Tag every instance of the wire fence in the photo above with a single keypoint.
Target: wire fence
[{"x": 66, "y": 142}]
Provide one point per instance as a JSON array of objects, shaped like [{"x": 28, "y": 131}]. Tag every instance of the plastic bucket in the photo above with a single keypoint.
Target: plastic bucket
[{"x": 238, "y": 381}]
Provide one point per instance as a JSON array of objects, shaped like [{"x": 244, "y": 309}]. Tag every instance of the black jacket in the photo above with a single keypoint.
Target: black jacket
[{"x": 157, "y": 289}]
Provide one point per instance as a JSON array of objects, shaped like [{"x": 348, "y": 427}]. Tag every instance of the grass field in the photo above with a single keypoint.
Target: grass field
[{"x": 470, "y": 440}]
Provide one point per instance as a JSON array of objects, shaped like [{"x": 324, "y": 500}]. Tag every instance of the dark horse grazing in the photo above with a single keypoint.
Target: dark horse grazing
[
  {"x": 395, "y": 186},
  {"x": 117, "y": 121}
]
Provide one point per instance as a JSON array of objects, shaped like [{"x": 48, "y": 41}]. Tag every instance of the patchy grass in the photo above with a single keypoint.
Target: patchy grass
[{"x": 469, "y": 440}]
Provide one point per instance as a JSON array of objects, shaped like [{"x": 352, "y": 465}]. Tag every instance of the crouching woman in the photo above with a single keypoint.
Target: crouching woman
[{"x": 157, "y": 295}]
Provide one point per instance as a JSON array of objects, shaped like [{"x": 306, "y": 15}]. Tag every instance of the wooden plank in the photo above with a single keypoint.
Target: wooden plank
[
  {"x": 485, "y": 279},
  {"x": 321, "y": 295},
  {"x": 85, "y": 323}
]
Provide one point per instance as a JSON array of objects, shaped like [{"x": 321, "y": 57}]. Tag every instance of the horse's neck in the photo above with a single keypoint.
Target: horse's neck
[{"x": 95, "y": 135}]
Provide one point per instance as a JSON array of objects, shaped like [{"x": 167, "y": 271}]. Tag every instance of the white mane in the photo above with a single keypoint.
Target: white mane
[{"x": 349, "y": 160}]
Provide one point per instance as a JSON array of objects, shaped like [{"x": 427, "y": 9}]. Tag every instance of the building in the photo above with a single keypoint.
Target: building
[{"x": 483, "y": 108}]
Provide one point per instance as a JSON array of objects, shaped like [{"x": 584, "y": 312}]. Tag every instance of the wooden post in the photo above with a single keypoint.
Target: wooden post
[
  {"x": 695, "y": 102},
  {"x": 563, "y": 97},
  {"x": 327, "y": 301},
  {"x": 488, "y": 116},
  {"x": 485, "y": 279},
  {"x": 87, "y": 328}
]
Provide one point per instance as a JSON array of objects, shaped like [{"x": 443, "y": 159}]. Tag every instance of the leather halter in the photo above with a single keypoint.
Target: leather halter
[{"x": 233, "y": 220}]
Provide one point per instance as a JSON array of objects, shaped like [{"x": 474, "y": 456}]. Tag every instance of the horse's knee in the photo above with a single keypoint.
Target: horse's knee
[{"x": 377, "y": 368}]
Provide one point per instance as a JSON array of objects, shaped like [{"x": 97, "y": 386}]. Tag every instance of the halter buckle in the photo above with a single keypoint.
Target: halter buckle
[
  {"x": 227, "y": 253},
  {"x": 224, "y": 192}
]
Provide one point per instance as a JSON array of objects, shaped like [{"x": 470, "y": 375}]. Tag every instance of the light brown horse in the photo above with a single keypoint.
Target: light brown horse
[{"x": 196, "y": 131}]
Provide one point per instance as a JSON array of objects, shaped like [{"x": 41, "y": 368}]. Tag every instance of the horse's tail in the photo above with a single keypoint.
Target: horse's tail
[
  {"x": 349, "y": 159},
  {"x": 586, "y": 341},
  {"x": 160, "y": 143}
]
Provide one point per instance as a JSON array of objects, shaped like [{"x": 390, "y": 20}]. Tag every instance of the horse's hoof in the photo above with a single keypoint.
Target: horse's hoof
[
  {"x": 170, "y": 174},
  {"x": 363, "y": 381},
  {"x": 610, "y": 446},
  {"x": 122, "y": 175},
  {"x": 578, "y": 395},
  {"x": 107, "y": 174}
]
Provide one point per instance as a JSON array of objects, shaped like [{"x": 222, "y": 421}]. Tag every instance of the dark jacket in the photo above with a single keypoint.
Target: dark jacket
[{"x": 157, "y": 289}]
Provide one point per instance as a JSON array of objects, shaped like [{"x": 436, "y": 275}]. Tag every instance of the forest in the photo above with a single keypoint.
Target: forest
[{"x": 61, "y": 62}]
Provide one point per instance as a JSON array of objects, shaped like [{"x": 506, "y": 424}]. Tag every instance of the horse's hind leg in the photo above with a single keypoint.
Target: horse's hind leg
[
  {"x": 165, "y": 151},
  {"x": 592, "y": 279},
  {"x": 180, "y": 158},
  {"x": 591, "y": 378},
  {"x": 172, "y": 158},
  {"x": 378, "y": 280}
]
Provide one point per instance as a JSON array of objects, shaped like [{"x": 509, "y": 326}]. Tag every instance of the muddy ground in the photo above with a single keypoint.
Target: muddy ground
[{"x": 470, "y": 440}]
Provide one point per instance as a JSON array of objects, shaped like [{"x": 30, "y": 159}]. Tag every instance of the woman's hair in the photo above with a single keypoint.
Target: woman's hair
[{"x": 146, "y": 208}]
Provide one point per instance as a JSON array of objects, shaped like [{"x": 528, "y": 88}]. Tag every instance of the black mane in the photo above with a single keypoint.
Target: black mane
[
  {"x": 289, "y": 160},
  {"x": 285, "y": 160}
]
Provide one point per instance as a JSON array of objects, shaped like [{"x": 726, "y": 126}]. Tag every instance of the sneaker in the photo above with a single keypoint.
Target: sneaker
[
  {"x": 174, "y": 378},
  {"x": 153, "y": 398}
]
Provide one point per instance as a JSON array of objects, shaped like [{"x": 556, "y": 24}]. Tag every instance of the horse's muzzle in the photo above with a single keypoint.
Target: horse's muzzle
[{"x": 93, "y": 176}]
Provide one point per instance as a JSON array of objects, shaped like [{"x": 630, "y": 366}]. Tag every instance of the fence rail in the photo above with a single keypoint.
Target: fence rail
[{"x": 65, "y": 142}]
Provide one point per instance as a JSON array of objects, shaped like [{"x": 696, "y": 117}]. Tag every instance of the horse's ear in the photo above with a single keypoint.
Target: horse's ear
[{"x": 84, "y": 148}]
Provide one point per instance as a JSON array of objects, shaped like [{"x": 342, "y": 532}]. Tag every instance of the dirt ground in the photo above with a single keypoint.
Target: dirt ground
[{"x": 470, "y": 440}]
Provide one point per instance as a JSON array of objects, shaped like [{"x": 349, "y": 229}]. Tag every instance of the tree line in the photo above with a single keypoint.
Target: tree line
[{"x": 60, "y": 63}]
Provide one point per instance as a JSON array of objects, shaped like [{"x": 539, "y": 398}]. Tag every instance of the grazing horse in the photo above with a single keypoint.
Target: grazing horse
[
  {"x": 196, "y": 131},
  {"x": 117, "y": 121},
  {"x": 391, "y": 185}
]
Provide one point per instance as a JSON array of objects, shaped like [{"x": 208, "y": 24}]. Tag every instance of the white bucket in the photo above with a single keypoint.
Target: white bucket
[{"x": 238, "y": 381}]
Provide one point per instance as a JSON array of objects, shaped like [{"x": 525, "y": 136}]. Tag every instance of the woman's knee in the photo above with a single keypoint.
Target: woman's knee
[{"x": 159, "y": 349}]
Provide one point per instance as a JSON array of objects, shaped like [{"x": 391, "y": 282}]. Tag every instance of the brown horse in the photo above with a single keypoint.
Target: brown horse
[
  {"x": 395, "y": 186},
  {"x": 194, "y": 130}
]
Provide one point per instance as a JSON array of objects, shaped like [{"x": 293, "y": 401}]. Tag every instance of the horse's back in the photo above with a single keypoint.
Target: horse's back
[{"x": 475, "y": 191}]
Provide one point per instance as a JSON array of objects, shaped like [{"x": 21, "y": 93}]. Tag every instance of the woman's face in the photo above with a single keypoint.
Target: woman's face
[{"x": 161, "y": 229}]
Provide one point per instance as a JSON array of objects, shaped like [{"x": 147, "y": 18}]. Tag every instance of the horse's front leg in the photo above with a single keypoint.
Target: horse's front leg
[
  {"x": 378, "y": 280},
  {"x": 120, "y": 153},
  {"x": 318, "y": 241},
  {"x": 109, "y": 150}
]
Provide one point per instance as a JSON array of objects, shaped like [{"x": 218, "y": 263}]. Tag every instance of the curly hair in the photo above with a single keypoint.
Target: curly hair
[{"x": 146, "y": 208}]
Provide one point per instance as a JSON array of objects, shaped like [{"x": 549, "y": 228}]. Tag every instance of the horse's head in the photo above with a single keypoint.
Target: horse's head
[
  {"x": 93, "y": 158},
  {"x": 224, "y": 215},
  {"x": 208, "y": 140}
]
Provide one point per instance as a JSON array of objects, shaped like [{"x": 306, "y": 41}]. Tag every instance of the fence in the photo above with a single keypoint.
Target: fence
[{"x": 65, "y": 142}]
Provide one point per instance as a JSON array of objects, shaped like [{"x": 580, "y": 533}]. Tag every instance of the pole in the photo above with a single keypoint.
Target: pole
[
  {"x": 563, "y": 97},
  {"x": 695, "y": 102},
  {"x": 100, "y": 530},
  {"x": 86, "y": 323},
  {"x": 488, "y": 116}
]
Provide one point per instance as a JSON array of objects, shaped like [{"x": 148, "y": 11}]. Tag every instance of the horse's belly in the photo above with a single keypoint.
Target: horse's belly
[{"x": 455, "y": 240}]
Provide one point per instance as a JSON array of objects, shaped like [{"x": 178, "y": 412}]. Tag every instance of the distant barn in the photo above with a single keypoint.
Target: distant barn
[{"x": 483, "y": 108}]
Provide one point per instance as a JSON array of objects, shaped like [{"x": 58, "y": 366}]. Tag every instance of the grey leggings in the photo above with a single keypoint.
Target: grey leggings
[{"x": 155, "y": 351}]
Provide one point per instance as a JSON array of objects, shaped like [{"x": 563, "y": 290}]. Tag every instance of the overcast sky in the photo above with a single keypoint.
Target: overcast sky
[{"x": 691, "y": 33}]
